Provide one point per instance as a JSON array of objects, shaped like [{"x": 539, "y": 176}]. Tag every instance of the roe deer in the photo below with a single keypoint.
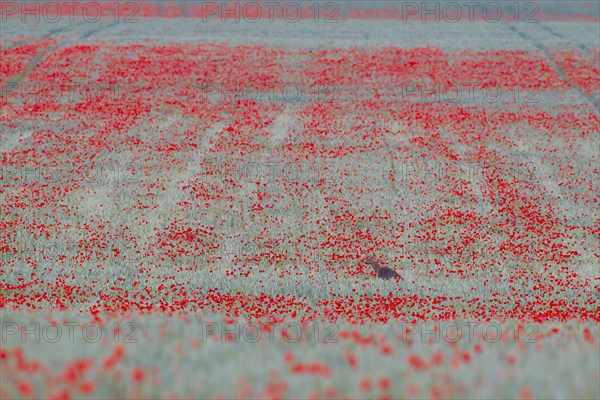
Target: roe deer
[{"x": 382, "y": 272}]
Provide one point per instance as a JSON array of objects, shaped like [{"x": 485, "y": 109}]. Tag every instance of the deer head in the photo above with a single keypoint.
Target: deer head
[{"x": 372, "y": 261}]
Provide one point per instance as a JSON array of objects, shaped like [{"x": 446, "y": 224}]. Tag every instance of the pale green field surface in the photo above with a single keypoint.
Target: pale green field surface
[{"x": 181, "y": 358}]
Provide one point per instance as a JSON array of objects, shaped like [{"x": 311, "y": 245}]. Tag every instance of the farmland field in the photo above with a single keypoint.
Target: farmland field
[{"x": 189, "y": 192}]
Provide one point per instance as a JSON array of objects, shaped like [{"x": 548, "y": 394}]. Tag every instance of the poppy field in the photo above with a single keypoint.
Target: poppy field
[{"x": 187, "y": 203}]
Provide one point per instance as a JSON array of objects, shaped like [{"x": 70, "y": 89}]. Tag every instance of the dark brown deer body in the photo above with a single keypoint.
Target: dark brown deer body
[{"x": 382, "y": 272}]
